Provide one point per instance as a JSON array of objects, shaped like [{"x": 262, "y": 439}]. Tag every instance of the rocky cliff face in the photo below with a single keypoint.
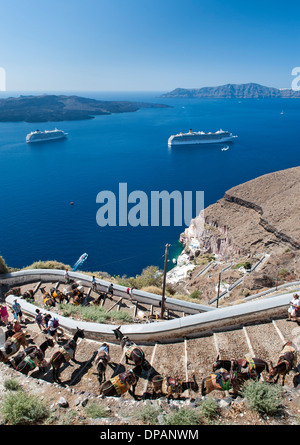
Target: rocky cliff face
[
  {"x": 259, "y": 218},
  {"x": 253, "y": 217}
]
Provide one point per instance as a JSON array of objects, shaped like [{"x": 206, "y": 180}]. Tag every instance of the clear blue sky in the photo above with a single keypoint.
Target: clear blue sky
[{"x": 158, "y": 45}]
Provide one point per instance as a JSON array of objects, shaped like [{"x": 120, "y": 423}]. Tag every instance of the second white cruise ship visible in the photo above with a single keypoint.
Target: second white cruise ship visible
[
  {"x": 199, "y": 137},
  {"x": 47, "y": 135}
]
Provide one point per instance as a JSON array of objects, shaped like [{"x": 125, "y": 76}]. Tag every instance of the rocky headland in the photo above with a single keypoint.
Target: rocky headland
[
  {"x": 254, "y": 222},
  {"x": 53, "y": 108},
  {"x": 233, "y": 91}
]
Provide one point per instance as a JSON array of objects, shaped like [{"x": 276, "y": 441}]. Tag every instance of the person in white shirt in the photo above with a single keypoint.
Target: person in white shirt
[
  {"x": 294, "y": 306},
  {"x": 52, "y": 327},
  {"x": 67, "y": 277}
]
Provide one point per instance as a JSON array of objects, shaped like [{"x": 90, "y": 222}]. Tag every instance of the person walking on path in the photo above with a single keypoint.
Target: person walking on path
[
  {"x": 67, "y": 277},
  {"x": 294, "y": 306},
  {"x": 47, "y": 318},
  {"x": 17, "y": 311},
  {"x": 94, "y": 284},
  {"x": 129, "y": 292},
  {"x": 52, "y": 327},
  {"x": 4, "y": 314},
  {"x": 39, "y": 319},
  {"x": 110, "y": 290}
]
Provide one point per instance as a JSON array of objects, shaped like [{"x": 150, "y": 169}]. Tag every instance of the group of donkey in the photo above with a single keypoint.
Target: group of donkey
[
  {"x": 127, "y": 380},
  {"x": 232, "y": 374},
  {"x": 74, "y": 292},
  {"x": 32, "y": 356},
  {"x": 227, "y": 374}
]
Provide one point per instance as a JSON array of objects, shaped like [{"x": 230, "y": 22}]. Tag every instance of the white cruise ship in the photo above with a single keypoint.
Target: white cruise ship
[
  {"x": 199, "y": 137},
  {"x": 47, "y": 135}
]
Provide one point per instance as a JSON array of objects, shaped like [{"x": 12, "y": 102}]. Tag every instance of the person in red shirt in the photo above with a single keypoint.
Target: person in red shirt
[{"x": 4, "y": 314}]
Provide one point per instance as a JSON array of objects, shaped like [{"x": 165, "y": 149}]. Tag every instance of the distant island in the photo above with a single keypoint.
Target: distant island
[
  {"x": 53, "y": 108},
  {"x": 233, "y": 91}
]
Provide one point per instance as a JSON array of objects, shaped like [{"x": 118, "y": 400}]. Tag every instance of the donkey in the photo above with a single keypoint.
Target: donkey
[
  {"x": 17, "y": 358},
  {"x": 133, "y": 354},
  {"x": 221, "y": 381},
  {"x": 65, "y": 354},
  {"x": 286, "y": 362},
  {"x": 35, "y": 358},
  {"x": 9, "y": 331},
  {"x": 29, "y": 295},
  {"x": 171, "y": 386},
  {"x": 13, "y": 291},
  {"x": 120, "y": 384},
  {"x": 101, "y": 362},
  {"x": 48, "y": 299},
  {"x": 59, "y": 296},
  {"x": 12, "y": 345},
  {"x": 253, "y": 367}
]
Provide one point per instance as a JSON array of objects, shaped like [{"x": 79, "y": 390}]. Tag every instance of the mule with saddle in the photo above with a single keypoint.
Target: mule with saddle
[
  {"x": 172, "y": 386},
  {"x": 251, "y": 366},
  {"x": 31, "y": 357},
  {"x": 287, "y": 361},
  {"x": 101, "y": 361},
  {"x": 133, "y": 354},
  {"x": 127, "y": 380},
  {"x": 12, "y": 345},
  {"x": 120, "y": 384},
  {"x": 65, "y": 354}
]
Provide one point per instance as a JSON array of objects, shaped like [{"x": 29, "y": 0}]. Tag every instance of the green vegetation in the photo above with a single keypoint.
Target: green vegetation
[
  {"x": 184, "y": 416},
  {"x": 51, "y": 264},
  {"x": 94, "y": 410},
  {"x": 196, "y": 294},
  {"x": 150, "y": 276},
  {"x": 149, "y": 413},
  {"x": 20, "y": 408},
  {"x": 284, "y": 274},
  {"x": 209, "y": 408},
  {"x": 12, "y": 385},
  {"x": 94, "y": 313},
  {"x": 3, "y": 266},
  {"x": 262, "y": 397},
  {"x": 246, "y": 265}
]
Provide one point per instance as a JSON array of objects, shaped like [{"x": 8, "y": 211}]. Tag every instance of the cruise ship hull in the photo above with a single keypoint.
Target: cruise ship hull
[
  {"x": 45, "y": 136},
  {"x": 193, "y": 141},
  {"x": 45, "y": 140},
  {"x": 200, "y": 138}
]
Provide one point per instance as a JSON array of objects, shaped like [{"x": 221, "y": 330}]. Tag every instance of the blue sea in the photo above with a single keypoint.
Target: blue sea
[{"x": 39, "y": 181}]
